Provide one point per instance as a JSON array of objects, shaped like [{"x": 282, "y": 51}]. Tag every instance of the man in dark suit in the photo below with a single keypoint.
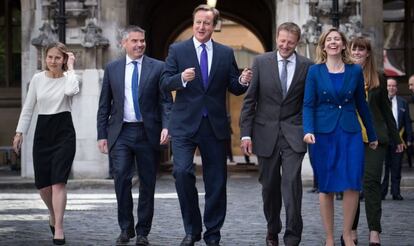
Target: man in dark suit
[
  {"x": 271, "y": 127},
  {"x": 393, "y": 159},
  {"x": 201, "y": 71},
  {"x": 132, "y": 123}
]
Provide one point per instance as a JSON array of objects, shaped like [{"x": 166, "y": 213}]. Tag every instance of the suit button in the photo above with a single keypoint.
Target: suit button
[
  {"x": 327, "y": 100},
  {"x": 339, "y": 106},
  {"x": 346, "y": 100},
  {"x": 324, "y": 92}
]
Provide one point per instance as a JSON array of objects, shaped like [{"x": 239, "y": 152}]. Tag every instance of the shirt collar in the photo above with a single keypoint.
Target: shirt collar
[
  {"x": 291, "y": 58},
  {"x": 129, "y": 60},
  {"x": 209, "y": 43}
]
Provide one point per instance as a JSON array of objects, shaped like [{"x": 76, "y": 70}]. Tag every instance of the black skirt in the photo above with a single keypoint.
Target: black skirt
[{"x": 54, "y": 147}]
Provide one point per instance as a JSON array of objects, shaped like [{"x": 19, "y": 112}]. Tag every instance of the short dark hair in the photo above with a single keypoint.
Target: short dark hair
[
  {"x": 205, "y": 7},
  {"x": 290, "y": 27},
  {"x": 130, "y": 29}
]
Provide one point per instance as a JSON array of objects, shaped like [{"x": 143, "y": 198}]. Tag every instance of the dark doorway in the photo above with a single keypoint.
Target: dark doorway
[{"x": 165, "y": 20}]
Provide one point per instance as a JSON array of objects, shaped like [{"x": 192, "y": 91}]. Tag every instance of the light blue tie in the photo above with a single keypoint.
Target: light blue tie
[{"x": 134, "y": 90}]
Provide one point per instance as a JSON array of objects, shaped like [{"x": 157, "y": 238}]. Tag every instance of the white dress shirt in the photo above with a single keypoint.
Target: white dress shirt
[
  {"x": 394, "y": 107},
  {"x": 129, "y": 112}
]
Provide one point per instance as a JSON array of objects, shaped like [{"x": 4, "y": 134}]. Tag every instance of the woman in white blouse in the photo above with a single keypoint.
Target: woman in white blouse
[{"x": 54, "y": 142}]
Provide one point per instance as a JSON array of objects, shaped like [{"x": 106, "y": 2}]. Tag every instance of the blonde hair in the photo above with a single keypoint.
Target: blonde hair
[
  {"x": 62, "y": 48},
  {"x": 369, "y": 67},
  {"x": 321, "y": 55}
]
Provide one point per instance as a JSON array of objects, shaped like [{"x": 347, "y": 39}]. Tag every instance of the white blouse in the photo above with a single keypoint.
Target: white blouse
[{"x": 51, "y": 95}]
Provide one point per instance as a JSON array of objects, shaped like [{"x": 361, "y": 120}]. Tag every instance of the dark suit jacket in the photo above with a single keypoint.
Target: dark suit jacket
[
  {"x": 324, "y": 108},
  {"x": 264, "y": 110},
  {"x": 154, "y": 104},
  {"x": 383, "y": 120},
  {"x": 190, "y": 100},
  {"x": 404, "y": 120}
]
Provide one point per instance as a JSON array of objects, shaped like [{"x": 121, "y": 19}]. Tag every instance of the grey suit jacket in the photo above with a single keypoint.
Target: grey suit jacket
[{"x": 266, "y": 114}]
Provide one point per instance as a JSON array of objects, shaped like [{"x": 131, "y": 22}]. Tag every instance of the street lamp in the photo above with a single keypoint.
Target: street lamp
[{"x": 61, "y": 21}]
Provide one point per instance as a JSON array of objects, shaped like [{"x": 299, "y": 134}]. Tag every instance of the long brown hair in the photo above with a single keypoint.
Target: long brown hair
[
  {"x": 321, "y": 55},
  {"x": 369, "y": 67},
  {"x": 62, "y": 48}
]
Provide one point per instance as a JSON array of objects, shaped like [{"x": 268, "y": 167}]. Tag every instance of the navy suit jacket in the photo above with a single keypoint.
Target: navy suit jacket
[
  {"x": 154, "y": 103},
  {"x": 190, "y": 100},
  {"x": 324, "y": 108},
  {"x": 404, "y": 119}
]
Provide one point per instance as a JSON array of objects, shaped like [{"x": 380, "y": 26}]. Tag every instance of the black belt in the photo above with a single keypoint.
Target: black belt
[{"x": 139, "y": 123}]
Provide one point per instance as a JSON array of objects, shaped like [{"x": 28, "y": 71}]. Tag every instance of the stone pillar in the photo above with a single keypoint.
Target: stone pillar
[
  {"x": 294, "y": 11},
  {"x": 372, "y": 21}
]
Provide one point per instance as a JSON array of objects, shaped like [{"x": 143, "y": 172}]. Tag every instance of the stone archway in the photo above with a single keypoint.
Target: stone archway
[{"x": 165, "y": 20}]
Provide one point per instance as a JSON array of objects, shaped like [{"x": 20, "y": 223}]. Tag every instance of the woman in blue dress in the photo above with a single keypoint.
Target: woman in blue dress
[{"x": 334, "y": 96}]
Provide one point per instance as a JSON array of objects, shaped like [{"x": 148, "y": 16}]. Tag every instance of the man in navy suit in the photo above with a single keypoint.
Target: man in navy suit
[
  {"x": 201, "y": 71},
  {"x": 393, "y": 159},
  {"x": 132, "y": 123}
]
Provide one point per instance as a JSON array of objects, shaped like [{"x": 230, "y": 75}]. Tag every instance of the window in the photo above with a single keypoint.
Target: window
[{"x": 10, "y": 44}]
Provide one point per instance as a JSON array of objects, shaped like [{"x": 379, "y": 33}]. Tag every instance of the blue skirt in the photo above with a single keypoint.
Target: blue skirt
[{"x": 337, "y": 159}]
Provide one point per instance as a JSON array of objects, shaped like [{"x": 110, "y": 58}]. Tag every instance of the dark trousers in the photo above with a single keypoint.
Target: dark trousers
[
  {"x": 372, "y": 187},
  {"x": 132, "y": 147},
  {"x": 392, "y": 164},
  {"x": 287, "y": 186},
  {"x": 213, "y": 155}
]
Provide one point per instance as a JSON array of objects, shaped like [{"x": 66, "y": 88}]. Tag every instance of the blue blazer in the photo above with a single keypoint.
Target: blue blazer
[
  {"x": 155, "y": 105},
  {"x": 190, "y": 101},
  {"x": 324, "y": 108},
  {"x": 404, "y": 119}
]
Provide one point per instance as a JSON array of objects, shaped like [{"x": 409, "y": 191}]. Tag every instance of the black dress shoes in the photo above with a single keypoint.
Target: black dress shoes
[
  {"x": 397, "y": 197},
  {"x": 124, "y": 237},
  {"x": 272, "y": 240},
  {"x": 374, "y": 244},
  {"x": 142, "y": 241},
  {"x": 189, "y": 240}
]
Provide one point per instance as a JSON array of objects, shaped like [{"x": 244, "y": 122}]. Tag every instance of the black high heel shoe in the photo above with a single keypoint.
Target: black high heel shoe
[
  {"x": 52, "y": 229},
  {"x": 59, "y": 241},
  {"x": 374, "y": 244}
]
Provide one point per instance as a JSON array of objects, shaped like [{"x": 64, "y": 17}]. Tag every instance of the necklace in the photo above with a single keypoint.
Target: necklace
[{"x": 336, "y": 68}]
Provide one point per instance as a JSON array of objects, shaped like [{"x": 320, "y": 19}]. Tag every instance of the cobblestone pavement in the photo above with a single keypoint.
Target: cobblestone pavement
[{"x": 90, "y": 218}]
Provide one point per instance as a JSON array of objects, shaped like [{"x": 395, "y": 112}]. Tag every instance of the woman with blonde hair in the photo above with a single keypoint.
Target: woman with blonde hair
[
  {"x": 386, "y": 130},
  {"x": 54, "y": 140},
  {"x": 334, "y": 94}
]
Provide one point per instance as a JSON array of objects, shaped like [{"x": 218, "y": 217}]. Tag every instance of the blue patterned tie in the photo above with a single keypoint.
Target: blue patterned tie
[
  {"x": 204, "y": 65},
  {"x": 134, "y": 89}
]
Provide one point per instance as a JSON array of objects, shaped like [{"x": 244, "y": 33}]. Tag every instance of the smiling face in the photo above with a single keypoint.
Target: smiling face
[
  {"x": 392, "y": 87},
  {"x": 203, "y": 25},
  {"x": 286, "y": 43},
  {"x": 359, "y": 54},
  {"x": 55, "y": 60},
  {"x": 134, "y": 45},
  {"x": 334, "y": 44}
]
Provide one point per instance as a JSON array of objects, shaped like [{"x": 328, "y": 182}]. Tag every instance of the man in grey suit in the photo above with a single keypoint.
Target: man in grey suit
[
  {"x": 132, "y": 123},
  {"x": 271, "y": 127}
]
